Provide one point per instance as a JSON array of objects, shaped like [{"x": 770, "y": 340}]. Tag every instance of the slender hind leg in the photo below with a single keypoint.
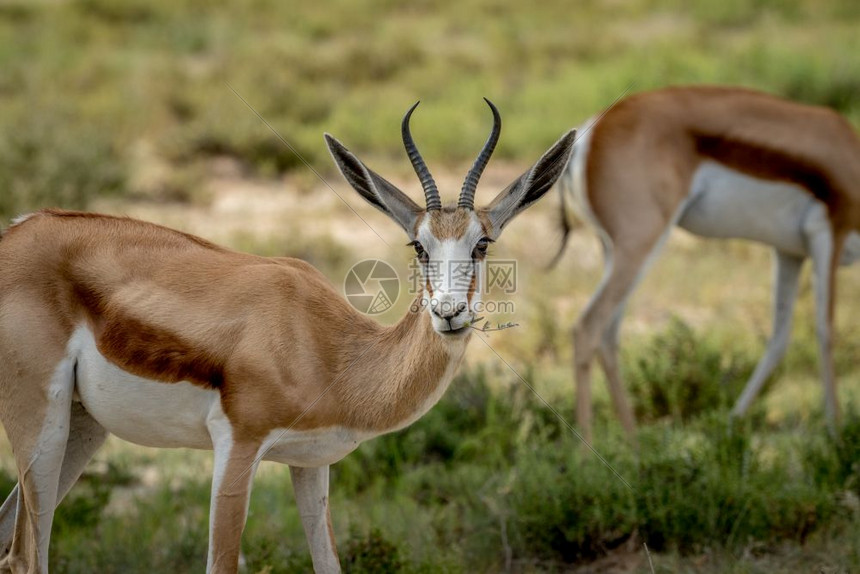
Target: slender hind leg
[
  {"x": 85, "y": 438},
  {"x": 626, "y": 264},
  {"x": 7, "y": 524},
  {"x": 39, "y": 459},
  {"x": 311, "y": 488},
  {"x": 608, "y": 358},
  {"x": 825, "y": 248},
  {"x": 8, "y": 512},
  {"x": 786, "y": 274}
]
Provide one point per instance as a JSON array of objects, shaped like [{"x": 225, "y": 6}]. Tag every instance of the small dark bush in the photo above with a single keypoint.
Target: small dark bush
[
  {"x": 835, "y": 464},
  {"x": 132, "y": 12},
  {"x": 566, "y": 505},
  {"x": 260, "y": 151},
  {"x": 85, "y": 504},
  {"x": 7, "y": 483},
  {"x": 372, "y": 554},
  {"x": 680, "y": 375},
  {"x": 49, "y": 161},
  {"x": 708, "y": 487},
  {"x": 848, "y": 452}
]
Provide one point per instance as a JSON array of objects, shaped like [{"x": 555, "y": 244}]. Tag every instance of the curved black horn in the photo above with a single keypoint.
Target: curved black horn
[
  {"x": 467, "y": 195},
  {"x": 431, "y": 193}
]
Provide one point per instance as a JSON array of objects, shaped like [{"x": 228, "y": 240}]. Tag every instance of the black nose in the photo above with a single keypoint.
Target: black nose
[{"x": 448, "y": 311}]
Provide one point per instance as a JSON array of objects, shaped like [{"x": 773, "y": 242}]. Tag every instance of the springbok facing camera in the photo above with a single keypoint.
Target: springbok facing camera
[
  {"x": 718, "y": 162},
  {"x": 113, "y": 325}
]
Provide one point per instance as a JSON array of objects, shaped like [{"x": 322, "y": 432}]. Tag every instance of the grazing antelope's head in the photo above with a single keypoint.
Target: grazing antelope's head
[{"x": 451, "y": 241}]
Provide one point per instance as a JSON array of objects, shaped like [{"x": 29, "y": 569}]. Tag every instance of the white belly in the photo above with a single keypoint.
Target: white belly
[
  {"x": 139, "y": 410},
  {"x": 171, "y": 415},
  {"x": 311, "y": 448},
  {"x": 726, "y": 203}
]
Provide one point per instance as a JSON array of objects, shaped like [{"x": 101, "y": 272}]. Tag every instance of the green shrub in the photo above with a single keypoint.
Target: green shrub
[
  {"x": 835, "y": 464},
  {"x": 261, "y": 151},
  {"x": 848, "y": 452},
  {"x": 565, "y": 505},
  {"x": 372, "y": 554},
  {"x": 718, "y": 490},
  {"x": 708, "y": 486},
  {"x": 84, "y": 506},
  {"x": 7, "y": 483},
  {"x": 50, "y": 160},
  {"x": 680, "y": 374}
]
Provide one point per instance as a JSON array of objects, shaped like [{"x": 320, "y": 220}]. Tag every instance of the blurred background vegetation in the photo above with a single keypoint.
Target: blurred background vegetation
[
  {"x": 104, "y": 96},
  {"x": 128, "y": 106}
]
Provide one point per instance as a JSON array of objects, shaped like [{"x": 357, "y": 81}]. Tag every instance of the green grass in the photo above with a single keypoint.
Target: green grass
[
  {"x": 88, "y": 84},
  {"x": 132, "y": 100},
  {"x": 489, "y": 472}
]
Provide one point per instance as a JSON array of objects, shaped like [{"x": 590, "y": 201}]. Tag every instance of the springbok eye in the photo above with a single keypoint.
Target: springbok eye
[
  {"x": 420, "y": 253},
  {"x": 480, "y": 250}
]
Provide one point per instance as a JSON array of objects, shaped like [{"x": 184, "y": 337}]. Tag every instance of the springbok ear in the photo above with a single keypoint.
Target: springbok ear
[
  {"x": 374, "y": 188},
  {"x": 531, "y": 185}
]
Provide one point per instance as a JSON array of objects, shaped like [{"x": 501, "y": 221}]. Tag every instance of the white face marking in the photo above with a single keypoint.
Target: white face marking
[{"x": 450, "y": 271}]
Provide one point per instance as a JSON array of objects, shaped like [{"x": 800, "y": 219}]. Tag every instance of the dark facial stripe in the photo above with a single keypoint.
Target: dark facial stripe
[{"x": 473, "y": 283}]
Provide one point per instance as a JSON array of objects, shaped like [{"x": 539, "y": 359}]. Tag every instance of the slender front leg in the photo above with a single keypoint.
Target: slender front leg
[
  {"x": 311, "y": 488},
  {"x": 786, "y": 276},
  {"x": 235, "y": 466}
]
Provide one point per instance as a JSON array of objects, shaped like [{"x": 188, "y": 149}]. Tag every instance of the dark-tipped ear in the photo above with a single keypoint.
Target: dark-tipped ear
[
  {"x": 374, "y": 188},
  {"x": 531, "y": 185}
]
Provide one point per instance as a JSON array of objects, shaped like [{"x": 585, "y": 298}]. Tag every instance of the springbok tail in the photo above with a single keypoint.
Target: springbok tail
[{"x": 566, "y": 222}]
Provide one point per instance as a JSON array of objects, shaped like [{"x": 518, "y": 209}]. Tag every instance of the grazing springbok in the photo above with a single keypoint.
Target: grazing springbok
[
  {"x": 718, "y": 162},
  {"x": 113, "y": 325}
]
